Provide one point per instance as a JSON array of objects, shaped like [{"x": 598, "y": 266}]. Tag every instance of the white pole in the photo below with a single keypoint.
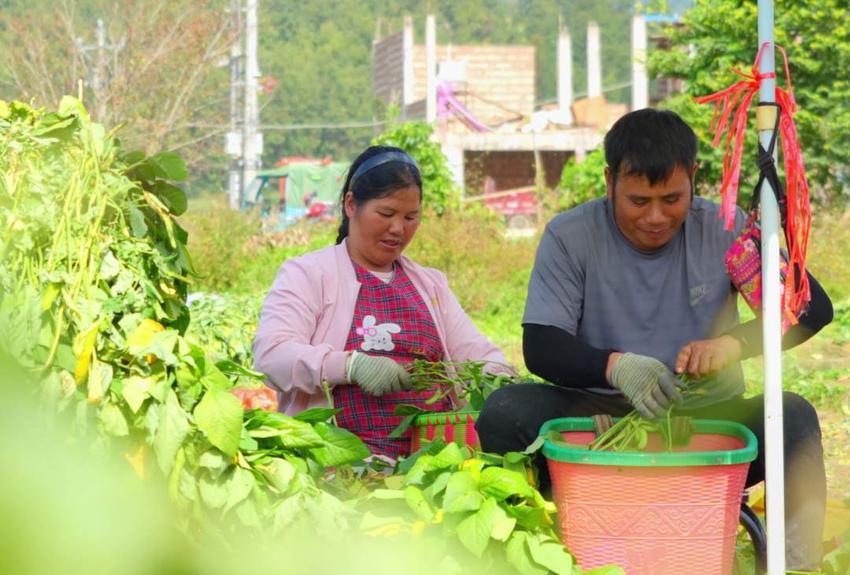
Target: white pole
[
  {"x": 594, "y": 61},
  {"x": 430, "y": 69},
  {"x": 234, "y": 177},
  {"x": 407, "y": 70},
  {"x": 771, "y": 319},
  {"x": 565, "y": 71},
  {"x": 640, "y": 82},
  {"x": 251, "y": 137}
]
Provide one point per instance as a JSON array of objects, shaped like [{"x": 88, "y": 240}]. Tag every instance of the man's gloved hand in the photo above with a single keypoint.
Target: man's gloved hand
[
  {"x": 646, "y": 382},
  {"x": 377, "y": 375}
]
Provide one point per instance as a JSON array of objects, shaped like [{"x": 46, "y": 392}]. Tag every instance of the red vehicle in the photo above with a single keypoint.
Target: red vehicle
[{"x": 518, "y": 206}]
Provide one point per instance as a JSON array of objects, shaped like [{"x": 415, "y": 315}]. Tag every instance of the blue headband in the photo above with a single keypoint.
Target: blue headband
[{"x": 380, "y": 159}]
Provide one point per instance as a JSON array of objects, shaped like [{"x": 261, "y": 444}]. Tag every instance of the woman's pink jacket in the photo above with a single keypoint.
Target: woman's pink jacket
[{"x": 306, "y": 318}]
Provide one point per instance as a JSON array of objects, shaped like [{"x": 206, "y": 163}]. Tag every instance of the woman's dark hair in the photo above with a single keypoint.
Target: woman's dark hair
[
  {"x": 650, "y": 143},
  {"x": 379, "y": 181}
]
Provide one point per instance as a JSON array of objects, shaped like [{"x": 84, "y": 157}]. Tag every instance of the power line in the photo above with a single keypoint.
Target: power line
[{"x": 293, "y": 127}]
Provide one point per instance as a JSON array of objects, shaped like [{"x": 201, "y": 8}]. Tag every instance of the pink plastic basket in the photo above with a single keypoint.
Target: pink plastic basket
[{"x": 652, "y": 512}]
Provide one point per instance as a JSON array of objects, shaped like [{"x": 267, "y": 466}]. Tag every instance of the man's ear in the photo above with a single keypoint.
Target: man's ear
[
  {"x": 694, "y": 179},
  {"x": 609, "y": 183}
]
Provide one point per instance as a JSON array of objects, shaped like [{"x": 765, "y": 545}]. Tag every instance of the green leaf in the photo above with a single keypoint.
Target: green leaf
[
  {"x": 213, "y": 492},
  {"x": 474, "y": 531},
  {"x": 527, "y": 516},
  {"x": 451, "y": 455},
  {"x": 135, "y": 391},
  {"x": 171, "y": 164},
  {"x": 219, "y": 416},
  {"x": 550, "y": 553},
  {"x": 172, "y": 428},
  {"x": 230, "y": 367},
  {"x": 109, "y": 266},
  {"x": 316, "y": 414},
  {"x": 503, "y": 483},
  {"x": 113, "y": 420},
  {"x": 520, "y": 557},
  {"x": 536, "y": 446},
  {"x": 213, "y": 459},
  {"x": 416, "y": 501},
  {"x": 213, "y": 378},
  {"x": 503, "y": 525},
  {"x": 340, "y": 446},
  {"x": 289, "y": 431},
  {"x": 239, "y": 486},
  {"x": 387, "y": 494},
  {"x": 438, "y": 485},
  {"x": 280, "y": 474},
  {"x": 137, "y": 222},
  {"x": 462, "y": 493},
  {"x": 172, "y": 196},
  {"x": 162, "y": 346}
]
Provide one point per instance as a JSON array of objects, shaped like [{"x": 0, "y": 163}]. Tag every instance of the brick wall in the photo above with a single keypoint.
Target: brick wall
[
  {"x": 510, "y": 169},
  {"x": 502, "y": 75},
  {"x": 388, "y": 69}
]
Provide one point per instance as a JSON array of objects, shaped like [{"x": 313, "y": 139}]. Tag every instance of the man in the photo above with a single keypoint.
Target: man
[{"x": 631, "y": 288}]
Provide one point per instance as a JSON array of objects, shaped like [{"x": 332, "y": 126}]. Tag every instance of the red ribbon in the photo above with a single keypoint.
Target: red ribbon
[{"x": 734, "y": 102}]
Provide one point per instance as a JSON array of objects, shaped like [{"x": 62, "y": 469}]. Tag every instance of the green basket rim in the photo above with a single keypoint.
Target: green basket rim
[
  {"x": 745, "y": 454},
  {"x": 442, "y": 418}
]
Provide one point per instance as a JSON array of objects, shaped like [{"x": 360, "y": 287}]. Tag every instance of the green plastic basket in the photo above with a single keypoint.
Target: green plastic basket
[
  {"x": 451, "y": 427},
  {"x": 658, "y": 512}
]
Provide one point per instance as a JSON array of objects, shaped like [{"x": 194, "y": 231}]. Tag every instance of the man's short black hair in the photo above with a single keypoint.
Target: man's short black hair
[{"x": 650, "y": 143}]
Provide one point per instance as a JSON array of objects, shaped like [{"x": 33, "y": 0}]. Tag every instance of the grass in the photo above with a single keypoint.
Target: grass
[{"x": 489, "y": 274}]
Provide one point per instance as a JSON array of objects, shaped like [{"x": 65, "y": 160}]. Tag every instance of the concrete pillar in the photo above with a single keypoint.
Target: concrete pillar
[
  {"x": 430, "y": 69},
  {"x": 407, "y": 63},
  {"x": 640, "y": 82},
  {"x": 565, "y": 72},
  {"x": 454, "y": 156},
  {"x": 594, "y": 61}
]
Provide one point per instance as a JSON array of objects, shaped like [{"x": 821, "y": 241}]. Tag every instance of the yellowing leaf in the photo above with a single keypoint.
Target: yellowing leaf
[
  {"x": 84, "y": 350},
  {"x": 136, "y": 460},
  {"x": 100, "y": 376},
  {"x": 142, "y": 336},
  {"x": 49, "y": 296},
  {"x": 135, "y": 391}
]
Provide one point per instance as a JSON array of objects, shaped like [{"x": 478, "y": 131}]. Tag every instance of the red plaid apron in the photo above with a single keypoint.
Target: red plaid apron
[{"x": 379, "y": 306}]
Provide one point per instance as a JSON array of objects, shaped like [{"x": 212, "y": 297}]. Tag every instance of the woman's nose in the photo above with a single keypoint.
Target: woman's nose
[{"x": 396, "y": 225}]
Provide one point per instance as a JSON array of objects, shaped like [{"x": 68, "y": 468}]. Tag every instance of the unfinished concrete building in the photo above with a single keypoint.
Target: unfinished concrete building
[{"x": 481, "y": 100}]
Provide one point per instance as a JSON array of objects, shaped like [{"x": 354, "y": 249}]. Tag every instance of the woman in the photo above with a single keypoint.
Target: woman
[{"x": 353, "y": 315}]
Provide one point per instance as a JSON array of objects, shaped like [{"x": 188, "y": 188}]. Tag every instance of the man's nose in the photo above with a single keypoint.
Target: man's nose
[{"x": 655, "y": 215}]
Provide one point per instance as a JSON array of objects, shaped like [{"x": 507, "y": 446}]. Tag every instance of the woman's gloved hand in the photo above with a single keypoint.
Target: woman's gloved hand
[
  {"x": 377, "y": 375},
  {"x": 646, "y": 382}
]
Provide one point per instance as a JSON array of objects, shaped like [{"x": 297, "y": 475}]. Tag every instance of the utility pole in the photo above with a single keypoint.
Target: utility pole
[
  {"x": 244, "y": 141},
  {"x": 252, "y": 139},
  {"x": 233, "y": 140},
  {"x": 98, "y": 79}
]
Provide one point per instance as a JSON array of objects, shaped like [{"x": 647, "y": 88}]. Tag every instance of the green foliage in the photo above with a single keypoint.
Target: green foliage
[
  {"x": 487, "y": 505},
  {"x": 219, "y": 241},
  {"x": 440, "y": 192},
  {"x": 722, "y": 34},
  {"x": 583, "y": 181},
  {"x": 94, "y": 277}
]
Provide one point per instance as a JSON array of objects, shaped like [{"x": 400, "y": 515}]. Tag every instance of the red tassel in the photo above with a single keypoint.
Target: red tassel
[{"x": 735, "y": 101}]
